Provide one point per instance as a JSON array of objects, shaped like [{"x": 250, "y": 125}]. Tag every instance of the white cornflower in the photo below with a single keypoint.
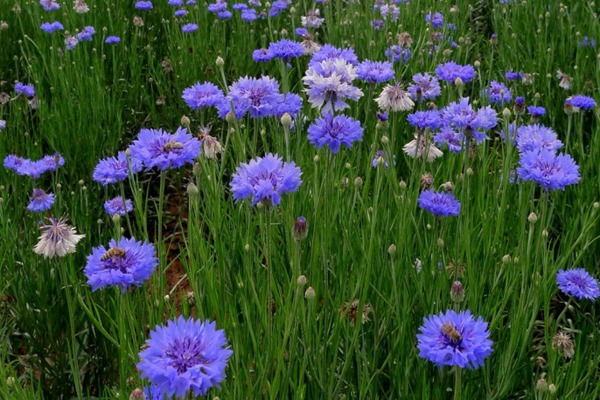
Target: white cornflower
[
  {"x": 80, "y": 7},
  {"x": 394, "y": 98},
  {"x": 422, "y": 148},
  {"x": 58, "y": 239}
]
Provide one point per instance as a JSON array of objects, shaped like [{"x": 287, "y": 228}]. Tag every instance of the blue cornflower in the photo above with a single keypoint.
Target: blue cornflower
[
  {"x": 71, "y": 42},
  {"x": 125, "y": 263},
  {"x": 112, "y": 40},
  {"x": 454, "y": 339},
  {"x": 175, "y": 3},
  {"x": 335, "y": 131},
  {"x": 249, "y": 15},
  {"x": 278, "y": 7},
  {"x": 143, "y": 5},
  {"x": 468, "y": 122},
  {"x": 86, "y": 33},
  {"x": 25, "y": 90},
  {"x": 499, "y": 93},
  {"x": 262, "y": 55},
  {"x": 449, "y": 137},
  {"x": 240, "y": 6},
  {"x": 286, "y": 49},
  {"x": 218, "y": 6},
  {"x": 225, "y": 14},
  {"x": 439, "y": 204},
  {"x": 328, "y": 51},
  {"x": 577, "y": 282},
  {"x": 18, "y": 164},
  {"x": 581, "y": 102},
  {"x": 549, "y": 170},
  {"x": 202, "y": 95},
  {"x": 180, "y": 13},
  {"x": 157, "y": 148},
  {"x": 536, "y": 111},
  {"x": 2, "y": 124},
  {"x": 329, "y": 83},
  {"x": 291, "y": 103},
  {"x": 40, "y": 201},
  {"x": 116, "y": 169},
  {"x": 188, "y": 28},
  {"x": 302, "y": 32},
  {"x": 52, "y": 27},
  {"x": 185, "y": 356},
  {"x": 437, "y": 19},
  {"x": 118, "y": 205},
  {"x": 513, "y": 76},
  {"x": 397, "y": 53},
  {"x": 535, "y": 137},
  {"x": 375, "y": 71},
  {"x": 424, "y": 87},
  {"x": 265, "y": 179},
  {"x": 259, "y": 97},
  {"x": 425, "y": 119},
  {"x": 49, "y": 5},
  {"x": 452, "y": 71}
]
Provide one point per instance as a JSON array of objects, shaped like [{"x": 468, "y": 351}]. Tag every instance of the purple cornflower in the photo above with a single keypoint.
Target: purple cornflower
[
  {"x": 218, "y": 6},
  {"x": 86, "y": 33},
  {"x": 18, "y": 164},
  {"x": 112, "y": 40},
  {"x": 71, "y": 42},
  {"x": 40, "y": 201},
  {"x": 312, "y": 19},
  {"x": 225, "y": 14},
  {"x": 175, "y": 3},
  {"x": 49, "y": 5},
  {"x": 451, "y": 72},
  {"x": 462, "y": 118},
  {"x": 291, "y": 103},
  {"x": 25, "y": 90},
  {"x": 240, "y": 6},
  {"x": 278, "y": 7},
  {"x": 330, "y": 52},
  {"x": 375, "y": 71},
  {"x": 535, "y": 137},
  {"x": 265, "y": 179},
  {"x": 381, "y": 158},
  {"x": 437, "y": 19},
  {"x": 203, "y": 95},
  {"x": 57, "y": 239},
  {"x": 450, "y": 137},
  {"x": 513, "y": 76},
  {"x": 334, "y": 132},
  {"x": 157, "y": 148},
  {"x": 262, "y": 55},
  {"x": 549, "y": 170},
  {"x": 52, "y": 27},
  {"x": 302, "y": 32},
  {"x": 188, "y": 28},
  {"x": 587, "y": 42},
  {"x": 286, "y": 49},
  {"x": 425, "y": 119},
  {"x": 536, "y": 111},
  {"x": 249, "y": 15},
  {"x": 143, "y": 5},
  {"x": 439, "y": 204},
  {"x": 329, "y": 83},
  {"x": 499, "y": 93},
  {"x": 116, "y": 169},
  {"x": 424, "y": 87},
  {"x": 397, "y": 53},
  {"x": 185, "y": 356},
  {"x": 258, "y": 97},
  {"x": 180, "y": 13},
  {"x": 577, "y": 282},
  {"x": 581, "y": 102},
  {"x": 2, "y": 124},
  {"x": 118, "y": 205},
  {"x": 454, "y": 339},
  {"x": 125, "y": 263}
]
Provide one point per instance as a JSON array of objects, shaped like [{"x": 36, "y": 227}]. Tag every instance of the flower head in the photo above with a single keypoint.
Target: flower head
[
  {"x": 124, "y": 263},
  {"x": 424, "y": 87},
  {"x": 51, "y": 27},
  {"x": 116, "y": 169},
  {"x": 185, "y": 356},
  {"x": 334, "y": 131},
  {"x": 112, "y": 40},
  {"x": 40, "y": 201},
  {"x": 375, "y": 71},
  {"x": 421, "y": 147},
  {"x": 157, "y": 148},
  {"x": 549, "y": 170},
  {"x": 86, "y": 33},
  {"x": 286, "y": 49},
  {"x": 258, "y": 97},
  {"x": 452, "y": 71},
  {"x": 49, "y": 5},
  {"x": 189, "y": 28},
  {"x": 329, "y": 52},
  {"x": 265, "y": 179},
  {"x": 499, "y": 93},
  {"x": 25, "y": 90},
  {"x": 57, "y": 239},
  {"x": 454, "y": 339},
  {"x": 118, "y": 205},
  {"x": 581, "y": 102},
  {"x": 394, "y": 98},
  {"x": 203, "y": 95},
  {"x": 439, "y": 204},
  {"x": 577, "y": 282},
  {"x": 143, "y": 5},
  {"x": 535, "y": 137}
]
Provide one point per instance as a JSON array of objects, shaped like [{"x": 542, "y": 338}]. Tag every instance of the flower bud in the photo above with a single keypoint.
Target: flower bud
[
  {"x": 552, "y": 388},
  {"x": 392, "y": 250},
  {"x": 440, "y": 242},
  {"x": 309, "y": 294},
  {"x": 300, "y": 229},
  {"x": 541, "y": 385},
  {"x": 185, "y": 121},
  {"x": 301, "y": 281},
  {"x": 230, "y": 117},
  {"x": 506, "y": 259},
  {"x": 457, "y": 292},
  {"x": 532, "y": 218},
  {"x": 137, "y": 394},
  {"x": 458, "y": 82},
  {"x": 358, "y": 182},
  {"x": 192, "y": 189},
  {"x": 385, "y": 139},
  {"x": 286, "y": 120},
  {"x": 220, "y": 62}
]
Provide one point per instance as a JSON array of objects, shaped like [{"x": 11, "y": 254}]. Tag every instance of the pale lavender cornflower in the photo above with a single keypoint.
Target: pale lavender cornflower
[
  {"x": 188, "y": 28},
  {"x": 499, "y": 93},
  {"x": 436, "y": 20},
  {"x": 262, "y": 55},
  {"x": 118, "y": 206},
  {"x": 185, "y": 357},
  {"x": 334, "y": 131},
  {"x": 425, "y": 119},
  {"x": 535, "y": 137},
  {"x": 157, "y": 148},
  {"x": 394, "y": 98},
  {"x": 454, "y": 339},
  {"x": 451, "y": 72},
  {"x": 202, "y": 95},
  {"x": 449, "y": 137},
  {"x": 25, "y": 90},
  {"x": 375, "y": 71},
  {"x": 329, "y": 84},
  {"x": 259, "y": 97},
  {"x": 71, "y": 42},
  {"x": 40, "y": 201},
  {"x": 116, "y": 169},
  {"x": 328, "y": 51},
  {"x": 57, "y": 239},
  {"x": 549, "y": 170},
  {"x": 265, "y": 179},
  {"x": 398, "y": 53},
  {"x": 424, "y": 87},
  {"x": 180, "y": 13},
  {"x": 577, "y": 282},
  {"x": 80, "y": 7},
  {"x": 86, "y": 33},
  {"x": 461, "y": 117},
  {"x": 312, "y": 19},
  {"x": 49, "y": 5}
]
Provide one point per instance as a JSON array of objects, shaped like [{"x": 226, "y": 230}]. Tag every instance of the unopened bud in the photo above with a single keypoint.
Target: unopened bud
[
  {"x": 286, "y": 120},
  {"x": 476, "y": 64},
  {"x": 316, "y": 158},
  {"x": 541, "y": 385},
  {"x": 532, "y": 218},
  {"x": 345, "y": 181},
  {"x": 116, "y": 219},
  {"x": 358, "y": 182},
  {"x": 440, "y": 242},
  {"x": 385, "y": 139},
  {"x": 137, "y": 394},
  {"x": 457, "y": 292},
  {"x": 448, "y": 186},
  {"x": 220, "y": 62},
  {"x": 301, "y": 281},
  {"x": 191, "y": 298},
  {"x": 309, "y": 294},
  {"x": 506, "y": 113},
  {"x": 506, "y": 259},
  {"x": 402, "y": 185},
  {"x": 458, "y": 82},
  {"x": 247, "y": 248},
  {"x": 10, "y": 381},
  {"x": 300, "y": 229},
  {"x": 230, "y": 117},
  {"x": 392, "y": 250},
  {"x": 192, "y": 189},
  {"x": 469, "y": 171},
  {"x": 185, "y": 121},
  {"x": 552, "y": 388}
]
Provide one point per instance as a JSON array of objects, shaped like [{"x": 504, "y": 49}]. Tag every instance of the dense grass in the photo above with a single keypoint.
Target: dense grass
[{"x": 239, "y": 265}]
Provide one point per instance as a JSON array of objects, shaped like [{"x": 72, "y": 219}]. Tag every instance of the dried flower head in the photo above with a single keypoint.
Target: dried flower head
[
  {"x": 564, "y": 344},
  {"x": 350, "y": 311},
  {"x": 57, "y": 239}
]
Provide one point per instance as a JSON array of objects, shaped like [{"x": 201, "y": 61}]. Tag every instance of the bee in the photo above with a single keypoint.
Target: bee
[
  {"x": 113, "y": 252},
  {"x": 172, "y": 146},
  {"x": 450, "y": 331}
]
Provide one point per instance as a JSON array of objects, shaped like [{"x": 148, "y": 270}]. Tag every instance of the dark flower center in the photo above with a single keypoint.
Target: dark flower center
[{"x": 185, "y": 353}]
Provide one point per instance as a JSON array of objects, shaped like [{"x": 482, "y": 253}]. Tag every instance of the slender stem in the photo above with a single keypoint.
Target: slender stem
[{"x": 457, "y": 383}]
